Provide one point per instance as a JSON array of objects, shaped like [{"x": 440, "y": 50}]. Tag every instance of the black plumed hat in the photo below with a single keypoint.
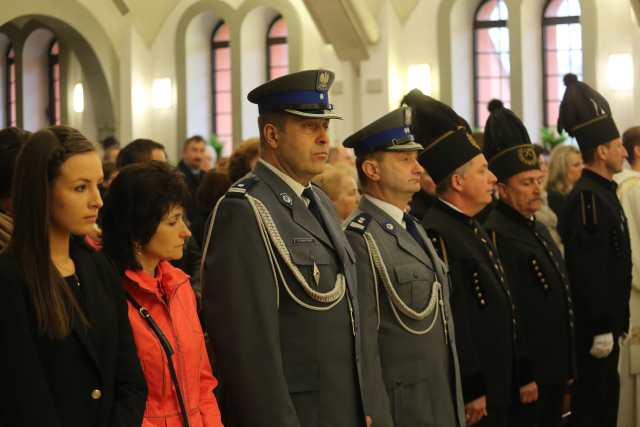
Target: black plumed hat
[
  {"x": 445, "y": 135},
  {"x": 585, "y": 114},
  {"x": 507, "y": 145}
]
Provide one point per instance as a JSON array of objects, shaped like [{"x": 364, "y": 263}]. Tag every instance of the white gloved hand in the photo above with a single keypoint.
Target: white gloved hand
[{"x": 602, "y": 345}]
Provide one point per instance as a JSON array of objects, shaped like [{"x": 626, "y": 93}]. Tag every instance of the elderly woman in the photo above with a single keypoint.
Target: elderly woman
[
  {"x": 340, "y": 185},
  {"x": 143, "y": 229},
  {"x": 565, "y": 169}
]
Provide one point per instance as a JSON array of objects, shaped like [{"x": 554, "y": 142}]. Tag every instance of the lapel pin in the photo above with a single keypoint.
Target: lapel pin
[{"x": 286, "y": 199}]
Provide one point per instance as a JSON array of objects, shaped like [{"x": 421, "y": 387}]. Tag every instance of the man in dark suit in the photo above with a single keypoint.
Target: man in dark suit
[
  {"x": 492, "y": 360},
  {"x": 280, "y": 281},
  {"x": 533, "y": 265},
  {"x": 403, "y": 286},
  {"x": 189, "y": 165},
  {"x": 594, "y": 229}
]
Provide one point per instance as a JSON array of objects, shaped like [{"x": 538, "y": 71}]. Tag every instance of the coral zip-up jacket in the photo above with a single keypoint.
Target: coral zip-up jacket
[{"x": 172, "y": 304}]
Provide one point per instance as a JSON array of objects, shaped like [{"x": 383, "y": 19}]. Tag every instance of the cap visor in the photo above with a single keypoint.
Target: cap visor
[
  {"x": 313, "y": 115},
  {"x": 409, "y": 146}
]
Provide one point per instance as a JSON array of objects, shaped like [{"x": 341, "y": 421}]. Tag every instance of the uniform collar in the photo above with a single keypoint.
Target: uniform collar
[
  {"x": 600, "y": 180},
  {"x": 454, "y": 212},
  {"x": 393, "y": 211},
  {"x": 512, "y": 213},
  {"x": 295, "y": 186}
]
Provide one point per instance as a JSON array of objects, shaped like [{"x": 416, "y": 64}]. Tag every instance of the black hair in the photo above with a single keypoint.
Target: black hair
[
  {"x": 137, "y": 151},
  {"x": 11, "y": 141},
  {"x": 137, "y": 200}
]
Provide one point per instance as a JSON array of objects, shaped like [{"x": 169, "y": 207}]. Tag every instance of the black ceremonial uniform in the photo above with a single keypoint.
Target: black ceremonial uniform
[
  {"x": 594, "y": 230},
  {"x": 491, "y": 361},
  {"x": 280, "y": 294},
  {"x": 534, "y": 268},
  {"x": 598, "y": 253},
  {"x": 485, "y": 320},
  {"x": 403, "y": 294}
]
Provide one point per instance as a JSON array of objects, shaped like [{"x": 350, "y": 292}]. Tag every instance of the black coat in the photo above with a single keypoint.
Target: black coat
[
  {"x": 89, "y": 379},
  {"x": 281, "y": 363},
  {"x": 539, "y": 282},
  {"x": 492, "y": 359},
  {"x": 598, "y": 253},
  {"x": 193, "y": 182}
]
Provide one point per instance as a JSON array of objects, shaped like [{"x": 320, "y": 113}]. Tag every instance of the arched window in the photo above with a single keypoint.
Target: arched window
[
  {"x": 491, "y": 60},
  {"x": 221, "y": 108},
  {"x": 53, "y": 109},
  {"x": 10, "y": 86},
  {"x": 562, "y": 44},
  {"x": 277, "y": 49}
]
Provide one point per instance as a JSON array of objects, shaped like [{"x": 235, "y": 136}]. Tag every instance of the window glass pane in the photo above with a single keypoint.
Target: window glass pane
[
  {"x": 223, "y": 124},
  {"x": 223, "y": 102},
  {"x": 222, "y": 34},
  {"x": 575, "y": 36},
  {"x": 223, "y": 81},
  {"x": 493, "y": 10},
  {"x": 560, "y": 8},
  {"x": 279, "y": 55},
  {"x": 223, "y": 58},
  {"x": 553, "y": 109},
  {"x": 279, "y": 29}
]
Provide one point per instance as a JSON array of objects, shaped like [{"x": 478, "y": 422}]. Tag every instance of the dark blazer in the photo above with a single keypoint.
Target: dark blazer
[
  {"x": 280, "y": 363},
  {"x": 420, "y": 369},
  {"x": 193, "y": 182},
  {"x": 92, "y": 378},
  {"x": 539, "y": 281},
  {"x": 598, "y": 253},
  {"x": 491, "y": 358}
]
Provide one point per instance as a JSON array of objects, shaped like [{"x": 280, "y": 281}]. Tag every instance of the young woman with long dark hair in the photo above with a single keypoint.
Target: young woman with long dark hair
[{"x": 68, "y": 357}]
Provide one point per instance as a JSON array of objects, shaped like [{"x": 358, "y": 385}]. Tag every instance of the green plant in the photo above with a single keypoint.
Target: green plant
[{"x": 551, "y": 138}]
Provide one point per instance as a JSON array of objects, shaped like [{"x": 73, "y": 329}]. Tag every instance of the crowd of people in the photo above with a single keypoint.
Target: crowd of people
[{"x": 416, "y": 275}]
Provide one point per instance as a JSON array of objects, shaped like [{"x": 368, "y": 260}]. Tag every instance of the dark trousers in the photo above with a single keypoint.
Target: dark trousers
[
  {"x": 596, "y": 391},
  {"x": 545, "y": 412},
  {"x": 498, "y": 417}
]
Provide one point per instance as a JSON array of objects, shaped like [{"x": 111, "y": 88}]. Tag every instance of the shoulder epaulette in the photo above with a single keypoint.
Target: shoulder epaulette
[
  {"x": 588, "y": 208},
  {"x": 438, "y": 244},
  {"x": 360, "y": 223},
  {"x": 240, "y": 188}
]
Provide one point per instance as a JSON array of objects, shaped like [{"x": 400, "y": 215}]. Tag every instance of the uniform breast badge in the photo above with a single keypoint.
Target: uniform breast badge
[{"x": 316, "y": 274}]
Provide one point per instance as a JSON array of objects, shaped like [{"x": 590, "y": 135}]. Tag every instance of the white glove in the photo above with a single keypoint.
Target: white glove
[{"x": 602, "y": 345}]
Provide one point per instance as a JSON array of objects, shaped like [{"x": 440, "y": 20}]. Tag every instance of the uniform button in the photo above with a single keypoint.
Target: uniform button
[
  {"x": 479, "y": 295},
  {"x": 415, "y": 275},
  {"x": 477, "y": 288},
  {"x": 534, "y": 262},
  {"x": 502, "y": 280},
  {"x": 543, "y": 280},
  {"x": 96, "y": 394},
  {"x": 495, "y": 266},
  {"x": 475, "y": 274}
]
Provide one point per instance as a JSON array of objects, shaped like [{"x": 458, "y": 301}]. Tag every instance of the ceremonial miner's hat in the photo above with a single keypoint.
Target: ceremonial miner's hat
[
  {"x": 445, "y": 135},
  {"x": 305, "y": 94},
  {"x": 585, "y": 115},
  {"x": 391, "y": 132},
  {"x": 507, "y": 145}
]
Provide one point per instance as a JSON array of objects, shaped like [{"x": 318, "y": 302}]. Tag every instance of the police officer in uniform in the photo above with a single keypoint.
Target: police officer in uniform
[
  {"x": 491, "y": 357},
  {"x": 402, "y": 283},
  {"x": 533, "y": 265},
  {"x": 594, "y": 230},
  {"x": 280, "y": 281}
]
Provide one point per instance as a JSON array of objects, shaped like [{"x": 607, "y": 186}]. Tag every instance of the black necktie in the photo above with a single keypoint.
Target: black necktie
[
  {"x": 413, "y": 230},
  {"x": 314, "y": 206}
]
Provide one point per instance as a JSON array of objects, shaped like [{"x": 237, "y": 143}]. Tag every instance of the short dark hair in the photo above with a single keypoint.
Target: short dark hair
[
  {"x": 137, "y": 200},
  {"x": 11, "y": 141},
  {"x": 277, "y": 118},
  {"x": 588, "y": 154},
  {"x": 631, "y": 139},
  {"x": 137, "y": 151},
  {"x": 362, "y": 177},
  {"x": 192, "y": 139},
  {"x": 109, "y": 143}
]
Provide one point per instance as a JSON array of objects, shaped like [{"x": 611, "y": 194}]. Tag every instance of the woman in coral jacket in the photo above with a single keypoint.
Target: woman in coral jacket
[{"x": 144, "y": 228}]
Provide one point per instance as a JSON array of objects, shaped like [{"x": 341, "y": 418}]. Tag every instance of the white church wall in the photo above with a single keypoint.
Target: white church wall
[
  {"x": 84, "y": 121},
  {"x": 616, "y": 32}
]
